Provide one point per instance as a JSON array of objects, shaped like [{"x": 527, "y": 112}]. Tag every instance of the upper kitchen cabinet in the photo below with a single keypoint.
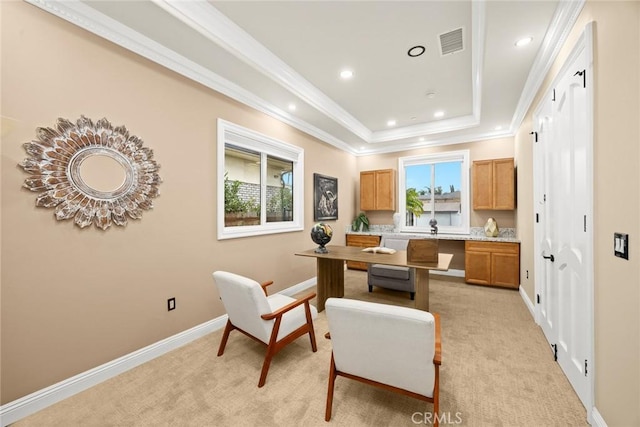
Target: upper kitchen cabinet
[
  {"x": 377, "y": 190},
  {"x": 494, "y": 184}
]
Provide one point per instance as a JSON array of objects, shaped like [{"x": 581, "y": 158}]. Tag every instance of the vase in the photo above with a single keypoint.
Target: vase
[{"x": 491, "y": 228}]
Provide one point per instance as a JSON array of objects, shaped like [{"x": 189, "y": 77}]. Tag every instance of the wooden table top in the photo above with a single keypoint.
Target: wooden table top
[{"x": 353, "y": 253}]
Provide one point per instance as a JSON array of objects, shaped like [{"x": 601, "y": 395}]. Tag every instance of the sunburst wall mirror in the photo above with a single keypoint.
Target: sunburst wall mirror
[{"x": 92, "y": 172}]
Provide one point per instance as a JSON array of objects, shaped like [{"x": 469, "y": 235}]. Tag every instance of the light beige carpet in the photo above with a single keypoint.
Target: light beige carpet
[{"x": 497, "y": 370}]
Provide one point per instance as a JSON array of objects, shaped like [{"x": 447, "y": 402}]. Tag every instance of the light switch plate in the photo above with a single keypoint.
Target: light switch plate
[{"x": 621, "y": 245}]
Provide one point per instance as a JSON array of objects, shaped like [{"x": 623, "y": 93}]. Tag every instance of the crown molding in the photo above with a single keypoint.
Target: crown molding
[
  {"x": 215, "y": 26},
  {"x": 479, "y": 25},
  {"x": 450, "y": 125},
  {"x": 565, "y": 17},
  {"x": 83, "y": 16},
  {"x": 207, "y": 20},
  {"x": 450, "y": 140}
]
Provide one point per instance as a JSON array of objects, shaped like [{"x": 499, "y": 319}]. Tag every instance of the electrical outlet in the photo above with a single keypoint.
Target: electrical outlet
[{"x": 171, "y": 304}]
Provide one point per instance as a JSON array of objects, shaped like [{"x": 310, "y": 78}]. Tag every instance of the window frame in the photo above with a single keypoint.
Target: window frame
[
  {"x": 236, "y": 135},
  {"x": 465, "y": 196}
]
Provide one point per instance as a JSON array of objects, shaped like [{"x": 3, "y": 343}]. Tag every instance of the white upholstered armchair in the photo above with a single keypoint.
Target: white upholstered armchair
[
  {"x": 391, "y": 347},
  {"x": 274, "y": 320}
]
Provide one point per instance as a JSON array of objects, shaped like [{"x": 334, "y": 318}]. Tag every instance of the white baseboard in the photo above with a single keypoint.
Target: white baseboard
[
  {"x": 450, "y": 272},
  {"x": 34, "y": 402},
  {"x": 527, "y": 302},
  {"x": 302, "y": 286},
  {"x": 27, "y": 405},
  {"x": 596, "y": 418}
]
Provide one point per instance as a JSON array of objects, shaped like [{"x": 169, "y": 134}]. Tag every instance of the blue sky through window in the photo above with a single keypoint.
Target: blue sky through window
[{"x": 447, "y": 174}]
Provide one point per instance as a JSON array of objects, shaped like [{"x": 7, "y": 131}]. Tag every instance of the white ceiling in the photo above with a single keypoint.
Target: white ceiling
[{"x": 270, "y": 54}]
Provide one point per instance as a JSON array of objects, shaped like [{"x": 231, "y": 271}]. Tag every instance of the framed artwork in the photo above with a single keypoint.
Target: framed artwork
[{"x": 325, "y": 197}]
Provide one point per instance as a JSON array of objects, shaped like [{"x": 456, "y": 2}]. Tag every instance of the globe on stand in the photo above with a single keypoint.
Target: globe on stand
[{"x": 321, "y": 234}]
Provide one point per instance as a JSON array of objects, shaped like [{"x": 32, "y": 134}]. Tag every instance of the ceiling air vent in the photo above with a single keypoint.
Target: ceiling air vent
[{"x": 451, "y": 42}]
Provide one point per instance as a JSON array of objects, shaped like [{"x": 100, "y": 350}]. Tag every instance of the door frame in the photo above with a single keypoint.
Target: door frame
[{"x": 584, "y": 43}]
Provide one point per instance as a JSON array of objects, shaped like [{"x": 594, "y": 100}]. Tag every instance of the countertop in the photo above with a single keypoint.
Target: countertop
[{"x": 477, "y": 234}]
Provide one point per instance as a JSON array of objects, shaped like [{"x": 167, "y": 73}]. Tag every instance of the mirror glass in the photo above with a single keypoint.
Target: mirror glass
[{"x": 102, "y": 173}]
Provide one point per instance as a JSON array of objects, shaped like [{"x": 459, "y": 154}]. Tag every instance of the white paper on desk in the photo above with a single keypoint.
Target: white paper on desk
[{"x": 380, "y": 250}]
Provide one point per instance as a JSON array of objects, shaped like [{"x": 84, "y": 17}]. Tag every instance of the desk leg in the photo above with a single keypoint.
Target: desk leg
[
  {"x": 422, "y": 289},
  {"x": 330, "y": 280}
]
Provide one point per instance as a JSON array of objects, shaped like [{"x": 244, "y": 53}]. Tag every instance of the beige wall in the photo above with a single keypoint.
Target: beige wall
[
  {"x": 478, "y": 150},
  {"x": 73, "y": 299},
  {"x": 617, "y": 208}
]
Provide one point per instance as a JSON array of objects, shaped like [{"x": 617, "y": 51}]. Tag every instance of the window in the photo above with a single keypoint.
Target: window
[
  {"x": 434, "y": 186},
  {"x": 260, "y": 183}
]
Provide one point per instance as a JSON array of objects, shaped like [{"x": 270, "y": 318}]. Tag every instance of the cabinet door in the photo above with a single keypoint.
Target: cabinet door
[
  {"x": 367, "y": 191},
  {"x": 503, "y": 184},
  {"x": 492, "y": 263},
  {"x": 482, "y": 184},
  {"x": 505, "y": 270},
  {"x": 385, "y": 183},
  {"x": 477, "y": 267}
]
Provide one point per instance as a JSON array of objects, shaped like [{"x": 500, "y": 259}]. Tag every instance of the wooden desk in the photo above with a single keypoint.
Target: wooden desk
[{"x": 331, "y": 270}]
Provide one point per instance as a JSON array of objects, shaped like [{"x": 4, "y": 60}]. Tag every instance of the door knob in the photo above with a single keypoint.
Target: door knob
[{"x": 550, "y": 257}]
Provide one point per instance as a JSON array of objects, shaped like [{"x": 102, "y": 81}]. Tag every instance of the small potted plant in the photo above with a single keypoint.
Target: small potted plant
[{"x": 360, "y": 222}]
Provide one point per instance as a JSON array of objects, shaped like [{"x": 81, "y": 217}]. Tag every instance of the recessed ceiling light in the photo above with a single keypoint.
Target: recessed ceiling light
[
  {"x": 421, "y": 139},
  {"x": 292, "y": 107},
  {"x": 498, "y": 128},
  {"x": 391, "y": 123},
  {"x": 346, "y": 74},
  {"x": 438, "y": 114},
  {"x": 362, "y": 148},
  {"x": 416, "y": 51},
  {"x": 524, "y": 41}
]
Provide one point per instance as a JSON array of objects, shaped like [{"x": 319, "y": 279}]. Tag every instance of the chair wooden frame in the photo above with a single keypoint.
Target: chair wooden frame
[
  {"x": 274, "y": 346},
  {"x": 437, "y": 361}
]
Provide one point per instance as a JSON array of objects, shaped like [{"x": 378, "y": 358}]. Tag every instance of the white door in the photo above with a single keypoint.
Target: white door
[
  {"x": 546, "y": 297},
  {"x": 563, "y": 237},
  {"x": 570, "y": 232}
]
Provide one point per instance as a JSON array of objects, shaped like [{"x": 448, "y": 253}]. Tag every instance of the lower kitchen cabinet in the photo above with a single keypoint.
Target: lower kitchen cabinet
[
  {"x": 492, "y": 263},
  {"x": 361, "y": 241}
]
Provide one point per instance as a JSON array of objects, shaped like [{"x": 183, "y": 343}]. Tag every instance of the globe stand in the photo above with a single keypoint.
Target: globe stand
[{"x": 321, "y": 250}]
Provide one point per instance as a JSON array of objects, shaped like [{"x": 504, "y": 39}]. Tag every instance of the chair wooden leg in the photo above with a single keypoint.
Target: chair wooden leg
[
  {"x": 271, "y": 350},
  {"x": 312, "y": 333},
  {"x": 436, "y": 397},
  {"x": 265, "y": 365},
  {"x": 225, "y": 336},
  {"x": 332, "y": 380}
]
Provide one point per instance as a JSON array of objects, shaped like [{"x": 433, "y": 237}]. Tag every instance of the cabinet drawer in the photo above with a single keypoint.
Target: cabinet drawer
[
  {"x": 361, "y": 241},
  {"x": 497, "y": 247}
]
